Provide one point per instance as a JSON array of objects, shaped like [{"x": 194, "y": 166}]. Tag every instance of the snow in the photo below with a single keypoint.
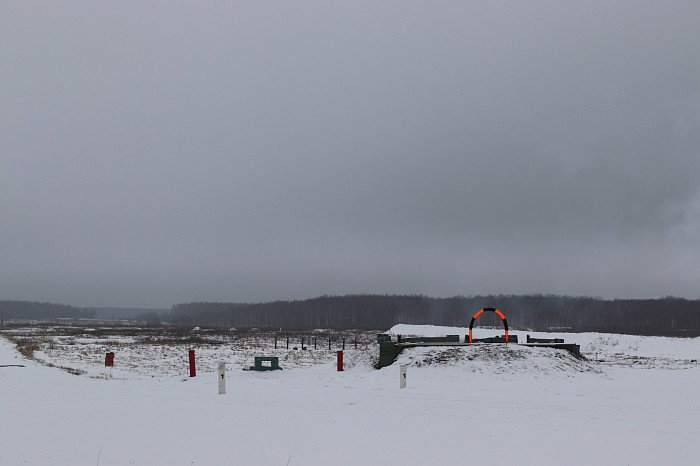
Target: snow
[{"x": 476, "y": 404}]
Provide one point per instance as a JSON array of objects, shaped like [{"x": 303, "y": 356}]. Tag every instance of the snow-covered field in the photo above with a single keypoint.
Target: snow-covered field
[{"x": 634, "y": 400}]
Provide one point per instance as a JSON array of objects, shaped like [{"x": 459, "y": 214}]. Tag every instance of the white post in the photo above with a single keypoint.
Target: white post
[
  {"x": 222, "y": 378},
  {"x": 402, "y": 376}
]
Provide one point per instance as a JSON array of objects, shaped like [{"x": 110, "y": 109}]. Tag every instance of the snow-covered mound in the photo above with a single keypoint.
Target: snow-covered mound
[
  {"x": 608, "y": 349},
  {"x": 504, "y": 360}
]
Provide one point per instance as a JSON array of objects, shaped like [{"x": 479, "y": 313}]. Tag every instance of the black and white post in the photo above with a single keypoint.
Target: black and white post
[
  {"x": 402, "y": 376},
  {"x": 222, "y": 378}
]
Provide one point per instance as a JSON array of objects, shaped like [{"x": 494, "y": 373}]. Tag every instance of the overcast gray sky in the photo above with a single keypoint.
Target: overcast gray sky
[{"x": 172, "y": 151}]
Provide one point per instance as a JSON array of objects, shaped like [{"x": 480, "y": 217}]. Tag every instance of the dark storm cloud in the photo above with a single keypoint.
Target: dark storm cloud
[{"x": 168, "y": 151}]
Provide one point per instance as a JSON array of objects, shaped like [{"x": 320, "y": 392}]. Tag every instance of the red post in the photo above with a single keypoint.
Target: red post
[
  {"x": 109, "y": 359},
  {"x": 193, "y": 371},
  {"x": 340, "y": 361}
]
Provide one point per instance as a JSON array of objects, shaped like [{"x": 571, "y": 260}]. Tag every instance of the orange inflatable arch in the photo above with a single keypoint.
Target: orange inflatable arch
[{"x": 488, "y": 309}]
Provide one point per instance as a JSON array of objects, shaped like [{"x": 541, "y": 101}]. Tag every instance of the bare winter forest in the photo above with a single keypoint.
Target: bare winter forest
[{"x": 666, "y": 316}]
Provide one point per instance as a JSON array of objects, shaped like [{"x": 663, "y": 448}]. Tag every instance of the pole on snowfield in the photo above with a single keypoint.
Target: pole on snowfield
[
  {"x": 193, "y": 370},
  {"x": 314, "y": 342},
  {"x": 275, "y": 342},
  {"x": 340, "y": 361},
  {"x": 343, "y": 343},
  {"x": 402, "y": 376},
  {"x": 222, "y": 378},
  {"x": 329, "y": 343},
  {"x": 287, "y": 342}
]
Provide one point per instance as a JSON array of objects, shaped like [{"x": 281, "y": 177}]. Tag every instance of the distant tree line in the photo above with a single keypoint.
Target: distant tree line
[
  {"x": 666, "y": 316},
  {"x": 42, "y": 311},
  {"x": 149, "y": 318}
]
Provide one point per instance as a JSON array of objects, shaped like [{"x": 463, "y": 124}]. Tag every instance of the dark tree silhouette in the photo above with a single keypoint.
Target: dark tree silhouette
[{"x": 665, "y": 316}]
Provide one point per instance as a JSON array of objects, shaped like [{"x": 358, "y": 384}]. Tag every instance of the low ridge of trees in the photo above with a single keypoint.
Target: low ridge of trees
[
  {"x": 41, "y": 311},
  {"x": 666, "y": 316}
]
